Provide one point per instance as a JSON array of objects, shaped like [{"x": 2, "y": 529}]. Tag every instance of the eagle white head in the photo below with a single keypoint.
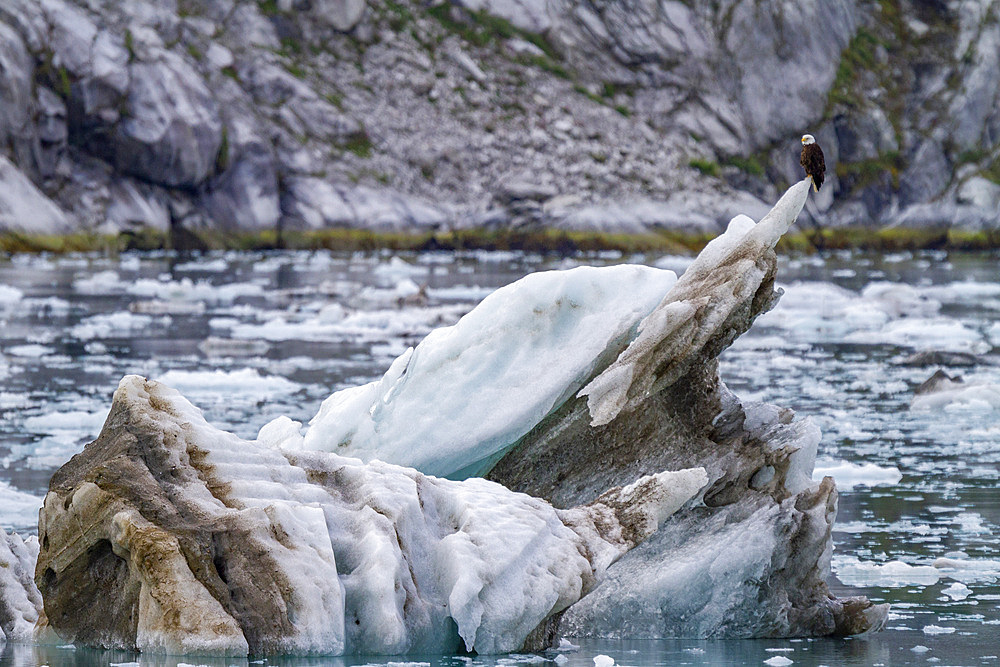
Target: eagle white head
[{"x": 808, "y": 139}]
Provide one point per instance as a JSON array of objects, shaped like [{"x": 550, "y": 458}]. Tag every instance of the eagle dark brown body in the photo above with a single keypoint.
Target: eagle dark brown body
[{"x": 812, "y": 161}]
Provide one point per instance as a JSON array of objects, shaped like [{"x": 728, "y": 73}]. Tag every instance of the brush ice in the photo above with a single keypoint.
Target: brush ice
[{"x": 467, "y": 392}]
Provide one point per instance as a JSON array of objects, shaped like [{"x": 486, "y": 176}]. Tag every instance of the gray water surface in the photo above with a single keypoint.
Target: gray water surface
[{"x": 248, "y": 337}]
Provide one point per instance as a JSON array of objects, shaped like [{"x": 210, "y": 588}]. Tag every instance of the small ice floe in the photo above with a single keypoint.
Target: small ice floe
[
  {"x": 778, "y": 661},
  {"x": 160, "y": 307},
  {"x": 188, "y": 290},
  {"x": 894, "y": 574},
  {"x": 560, "y": 659},
  {"x": 938, "y": 630},
  {"x": 953, "y": 394},
  {"x": 968, "y": 570},
  {"x": 10, "y": 295},
  {"x": 396, "y": 269},
  {"x": 102, "y": 282},
  {"x": 566, "y": 646},
  {"x": 122, "y": 324},
  {"x": 920, "y": 648},
  {"x": 851, "y": 475},
  {"x": 18, "y": 510},
  {"x": 31, "y": 350},
  {"x": 603, "y": 661},
  {"x": 244, "y": 382},
  {"x": 957, "y": 591},
  {"x": 217, "y": 265}
]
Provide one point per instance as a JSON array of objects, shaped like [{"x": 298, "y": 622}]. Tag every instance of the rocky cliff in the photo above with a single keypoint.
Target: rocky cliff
[{"x": 229, "y": 115}]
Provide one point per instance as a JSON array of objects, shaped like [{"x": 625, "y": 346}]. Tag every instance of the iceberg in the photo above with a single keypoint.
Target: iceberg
[
  {"x": 515, "y": 393},
  {"x": 168, "y": 535}
]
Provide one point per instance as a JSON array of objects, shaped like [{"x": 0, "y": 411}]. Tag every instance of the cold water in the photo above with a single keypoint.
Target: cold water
[{"x": 248, "y": 337}]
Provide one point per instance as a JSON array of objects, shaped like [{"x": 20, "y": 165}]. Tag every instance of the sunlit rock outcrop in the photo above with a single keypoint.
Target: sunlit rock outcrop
[
  {"x": 749, "y": 557},
  {"x": 168, "y": 535}
]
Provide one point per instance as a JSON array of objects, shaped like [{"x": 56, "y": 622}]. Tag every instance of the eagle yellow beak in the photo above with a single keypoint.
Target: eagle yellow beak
[{"x": 802, "y": 140}]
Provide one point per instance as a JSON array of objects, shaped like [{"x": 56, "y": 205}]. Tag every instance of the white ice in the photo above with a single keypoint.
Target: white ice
[
  {"x": 882, "y": 313},
  {"x": 964, "y": 397},
  {"x": 452, "y": 405},
  {"x": 245, "y": 383},
  {"x": 850, "y": 475},
  {"x": 778, "y": 661},
  {"x": 18, "y": 510},
  {"x": 385, "y": 559},
  {"x": 19, "y": 598},
  {"x": 893, "y": 574}
]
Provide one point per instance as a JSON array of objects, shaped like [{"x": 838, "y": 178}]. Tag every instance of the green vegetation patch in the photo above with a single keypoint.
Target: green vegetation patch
[
  {"x": 707, "y": 167},
  {"x": 867, "y": 172},
  {"x": 892, "y": 239}
]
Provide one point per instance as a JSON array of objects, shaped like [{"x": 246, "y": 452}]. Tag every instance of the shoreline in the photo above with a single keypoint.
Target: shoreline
[{"x": 545, "y": 241}]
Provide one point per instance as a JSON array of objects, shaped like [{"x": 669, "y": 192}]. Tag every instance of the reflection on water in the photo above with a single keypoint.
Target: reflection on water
[{"x": 251, "y": 336}]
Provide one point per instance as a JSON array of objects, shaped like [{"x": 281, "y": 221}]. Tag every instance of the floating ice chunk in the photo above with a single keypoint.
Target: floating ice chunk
[
  {"x": 566, "y": 645},
  {"x": 121, "y": 324},
  {"x": 189, "y": 290},
  {"x": 75, "y": 421},
  {"x": 603, "y": 661},
  {"x": 778, "y": 661},
  {"x": 30, "y": 350},
  {"x": 957, "y": 591},
  {"x": 920, "y": 648},
  {"x": 924, "y": 333},
  {"x": 470, "y": 391},
  {"x": 102, "y": 282},
  {"x": 10, "y": 295},
  {"x": 972, "y": 397},
  {"x": 852, "y": 475},
  {"x": 561, "y": 659},
  {"x": 397, "y": 268},
  {"x": 938, "y": 630},
  {"x": 894, "y": 574},
  {"x": 217, "y": 265},
  {"x": 969, "y": 570},
  {"x": 247, "y": 382},
  {"x": 18, "y": 510}
]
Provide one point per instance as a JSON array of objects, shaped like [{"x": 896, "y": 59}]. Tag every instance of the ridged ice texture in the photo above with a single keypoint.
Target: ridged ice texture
[
  {"x": 20, "y": 602},
  {"x": 467, "y": 392},
  {"x": 224, "y": 546}
]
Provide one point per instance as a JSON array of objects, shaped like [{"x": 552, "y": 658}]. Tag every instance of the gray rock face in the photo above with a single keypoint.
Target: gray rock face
[
  {"x": 171, "y": 132},
  {"x": 607, "y": 107},
  {"x": 23, "y": 208},
  {"x": 342, "y": 15}
]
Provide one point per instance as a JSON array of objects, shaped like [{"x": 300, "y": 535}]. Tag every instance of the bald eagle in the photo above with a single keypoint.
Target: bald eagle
[{"x": 812, "y": 160}]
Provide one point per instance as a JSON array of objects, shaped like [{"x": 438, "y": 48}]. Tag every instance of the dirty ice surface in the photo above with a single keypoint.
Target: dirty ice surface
[{"x": 249, "y": 337}]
